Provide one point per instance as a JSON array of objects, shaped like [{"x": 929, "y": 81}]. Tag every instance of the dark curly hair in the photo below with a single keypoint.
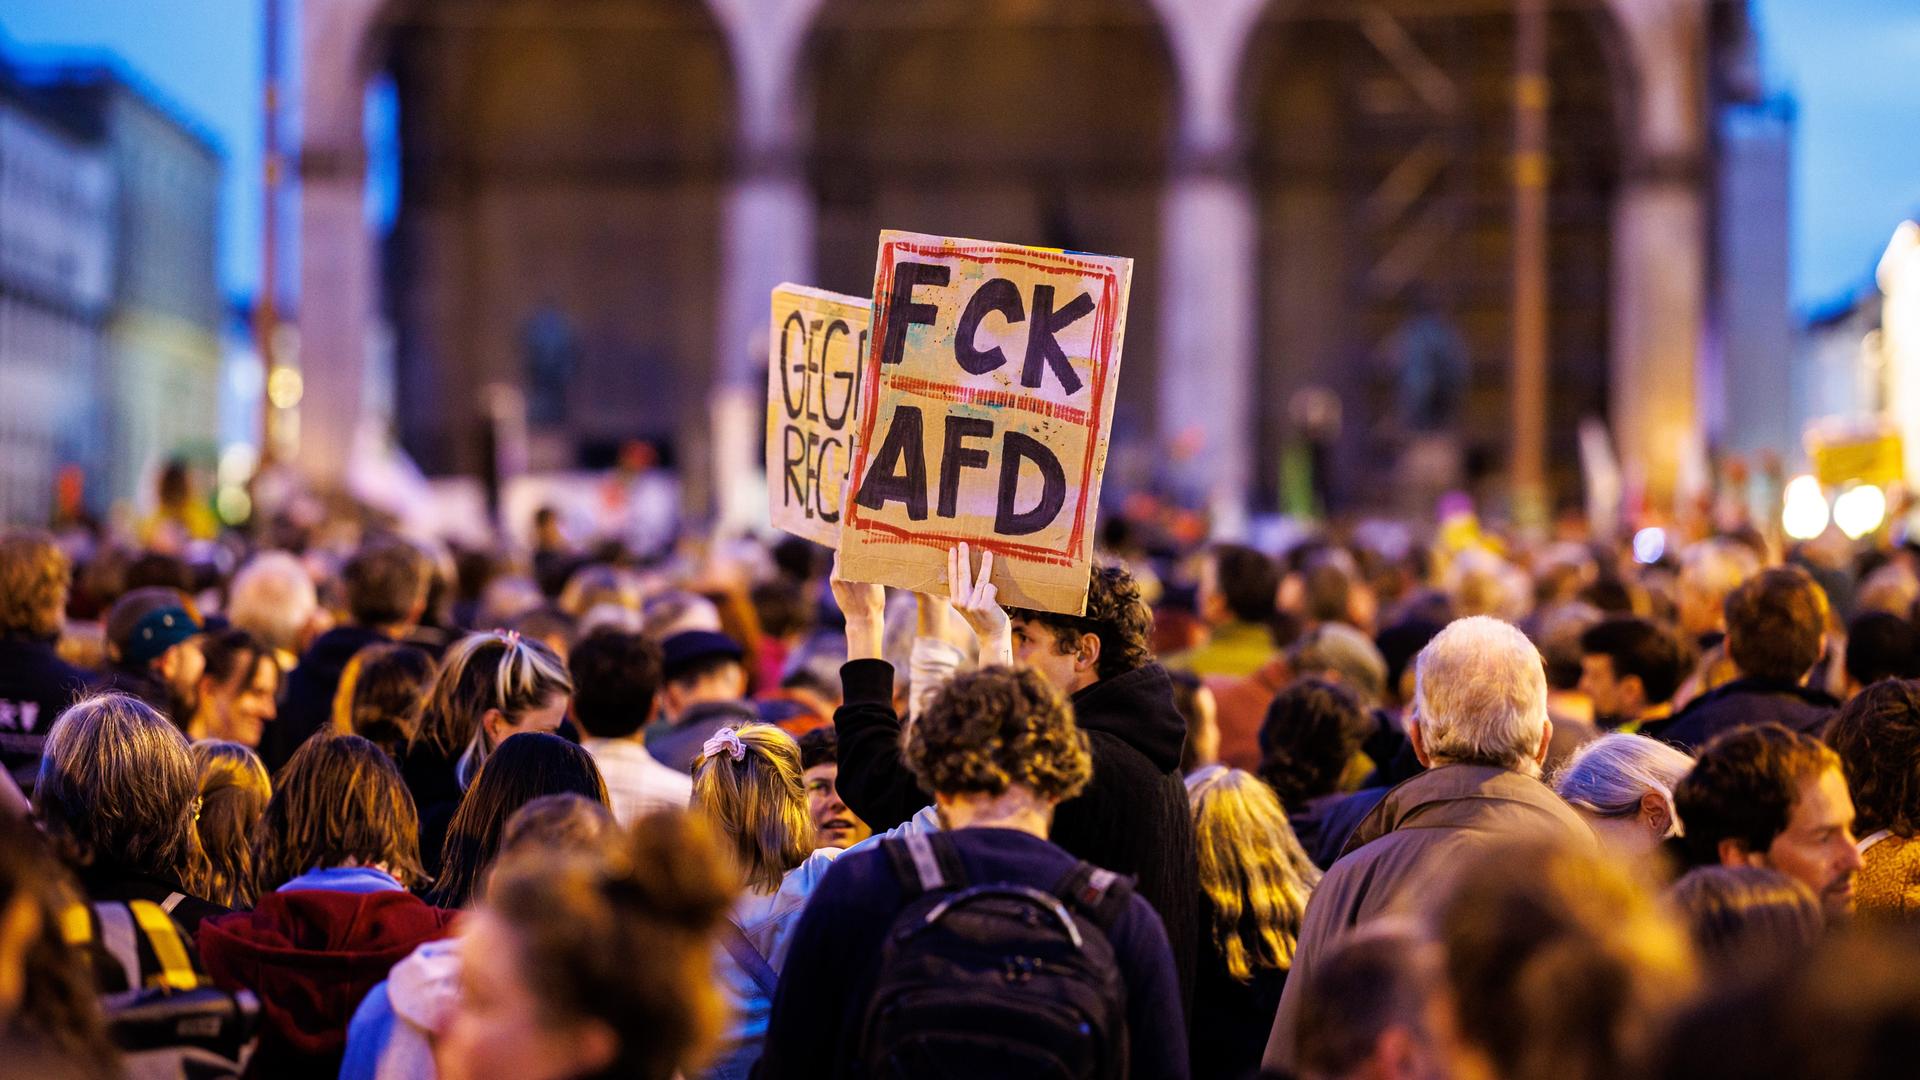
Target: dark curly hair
[
  {"x": 1312, "y": 729},
  {"x": 1115, "y": 614},
  {"x": 1877, "y": 735},
  {"x": 1744, "y": 787},
  {"x": 996, "y": 727}
]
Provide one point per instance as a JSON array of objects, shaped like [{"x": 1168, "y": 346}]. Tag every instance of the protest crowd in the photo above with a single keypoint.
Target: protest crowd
[{"x": 1473, "y": 806}]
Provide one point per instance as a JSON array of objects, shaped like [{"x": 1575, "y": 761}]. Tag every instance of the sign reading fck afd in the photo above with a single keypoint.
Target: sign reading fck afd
[{"x": 985, "y": 408}]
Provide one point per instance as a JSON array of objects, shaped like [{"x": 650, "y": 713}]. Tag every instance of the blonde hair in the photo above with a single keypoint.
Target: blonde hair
[
  {"x": 1253, "y": 872},
  {"x": 234, "y": 790},
  {"x": 758, "y": 801},
  {"x": 499, "y": 670},
  {"x": 33, "y": 585}
]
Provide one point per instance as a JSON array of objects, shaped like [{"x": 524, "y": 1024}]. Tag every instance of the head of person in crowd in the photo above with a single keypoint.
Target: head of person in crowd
[
  {"x": 1480, "y": 698},
  {"x": 678, "y": 611},
  {"x": 616, "y": 677},
  {"x": 1196, "y": 703},
  {"x": 154, "y": 640},
  {"x": 596, "y": 584},
  {"x": 1255, "y": 876},
  {"x": 117, "y": 795},
  {"x": 999, "y": 744},
  {"x": 748, "y": 782},
  {"x": 1774, "y": 798},
  {"x": 1877, "y": 737},
  {"x": 1777, "y": 625},
  {"x": 595, "y": 966},
  {"x": 234, "y": 790},
  {"x": 339, "y": 802},
  {"x": 1623, "y": 786},
  {"x": 1338, "y": 653},
  {"x": 524, "y": 768},
  {"x": 1312, "y": 730},
  {"x": 1709, "y": 573},
  {"x": 50, "y": 1017},
  {"x": 238, "y": 688},
  {"x": 505, "y": 599},
  {"x": 1562, "y": 966},
  {"x": 1557, "y": 633},
  {"x": 833, "y": 824},
  {"x": 491, "y": 687},
  {"x": 1378, "y": 1008},
  {"x": 1630, "y": 668},
  {"x": 1072, "y": 652},
  {"x": 273, "y": 598},
  {"x": 34, "y": 580},
  {"x": 387, "y": 582},
  {"x": 1399, "y": 645},
  {"x": 1880, "y": 646},
  {"x": 383, "y": 694},
  {"x": 1746, "y": 921},
  {"x": 566, "y": 821},
  {"x": 1237, "y": 584},
  {"x": 700, "y": 667}
]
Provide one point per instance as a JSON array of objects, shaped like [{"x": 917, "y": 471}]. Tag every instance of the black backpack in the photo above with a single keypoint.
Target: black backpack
[{"x": 997, "y": 979}]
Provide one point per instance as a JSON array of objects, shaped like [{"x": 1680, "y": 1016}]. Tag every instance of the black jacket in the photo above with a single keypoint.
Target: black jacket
[
  {"x": 1324, "y": 824},
  {"x": 36, "y": 686},
  {"x": 1132, "y": 818},
  {"x": 1745, "y": 702},
  {"x": 308, "y": 699}
]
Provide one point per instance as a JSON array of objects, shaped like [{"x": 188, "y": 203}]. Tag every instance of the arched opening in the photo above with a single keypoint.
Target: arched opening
[
  {"x": 1044, "y": 122},
  {"x": 556, "y": 225},
  {"x": 1381, "y": 137}
]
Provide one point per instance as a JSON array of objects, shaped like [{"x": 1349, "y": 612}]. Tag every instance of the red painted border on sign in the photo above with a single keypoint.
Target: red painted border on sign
[{"x": 1046, "y": 262}]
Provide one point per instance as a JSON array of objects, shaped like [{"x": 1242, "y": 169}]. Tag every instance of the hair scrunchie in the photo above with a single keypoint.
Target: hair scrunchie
[{"x": 726, "y": 741}]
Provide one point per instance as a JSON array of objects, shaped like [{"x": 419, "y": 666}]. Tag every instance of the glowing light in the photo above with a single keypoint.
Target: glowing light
[
  {"x": 1804, "y": 511},
  {"x": 1649, "y": 544},
  {"x": 233, "y": 504},
  {"x": 284, "y": 387},
  {"x": 1860, "y": 510},
  {"x": 237, "y": 463}
]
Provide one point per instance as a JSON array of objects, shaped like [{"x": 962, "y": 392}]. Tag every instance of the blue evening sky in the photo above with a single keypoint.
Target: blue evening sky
[{"x": 1852, "y": 65}]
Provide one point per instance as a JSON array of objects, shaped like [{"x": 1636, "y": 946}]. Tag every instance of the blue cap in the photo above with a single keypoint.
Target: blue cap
[
  {"x": 688, "y": 649},
  {"x": 156, "y": 632}
]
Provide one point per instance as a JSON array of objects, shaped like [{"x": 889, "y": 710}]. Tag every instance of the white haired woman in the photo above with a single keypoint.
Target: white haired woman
[{"x": 1623, "y": 786}]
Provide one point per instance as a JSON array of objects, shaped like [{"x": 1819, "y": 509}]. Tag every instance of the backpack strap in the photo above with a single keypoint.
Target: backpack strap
[
  {"x": 749, "y": 958},
  {"x": 119, "y": 939},
  {"x": 172, "y": 901},
  {"x": 169, "y": 947},
  {"x": 925, "y": 862},
  {"x": 1101, "y": 895}
]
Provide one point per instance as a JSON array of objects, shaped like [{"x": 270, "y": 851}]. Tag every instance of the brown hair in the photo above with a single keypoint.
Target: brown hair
[
  {"x": 383, "y": 692},
  {"x": 527, "y": 766},
  {"x": 117, "y": 792},
  {"x": 34, "y": 576},
  {"x": 1877, "y": 735},
  {"x": 759, "y": 802},
  {"x": 627, "y": 939},
  {"x": 234, "y": 790},
  {"x": 1775, "y": 621},
  {"x": 386, "y": 583},
  {"x": 1115, "y": 614},
  {"x": 1561, "y": 965},
  {"x": 992, "y": 728},
  {"x": 56, "y": 1028},
  {"x": 339, "y": 800},
  {"x": 567, "y": 821},
  {"x": 1744, "y": 786}
]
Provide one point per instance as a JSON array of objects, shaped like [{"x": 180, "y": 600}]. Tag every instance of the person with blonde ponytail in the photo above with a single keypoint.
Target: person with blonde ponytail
[
  {"x": 748, "y": 782},
  {"x": 1254, "y": 884},
  {"x": 490, "y": 686}
]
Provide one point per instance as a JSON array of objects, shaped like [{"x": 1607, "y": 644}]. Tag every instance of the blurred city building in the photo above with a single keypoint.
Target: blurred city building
[
  {"x": 595, "y": 197},
  {"x": 132, "y": 236},
  {"x": 56, "y": 281}
]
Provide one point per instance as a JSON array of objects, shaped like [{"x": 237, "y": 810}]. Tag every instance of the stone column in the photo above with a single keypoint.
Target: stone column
[{"x": 1210, "y": 251}]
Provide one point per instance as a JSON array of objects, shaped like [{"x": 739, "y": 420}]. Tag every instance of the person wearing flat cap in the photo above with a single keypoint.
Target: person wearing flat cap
[
  {"x": 703, "y": 689},
  {"x": 153, "y": 640}
]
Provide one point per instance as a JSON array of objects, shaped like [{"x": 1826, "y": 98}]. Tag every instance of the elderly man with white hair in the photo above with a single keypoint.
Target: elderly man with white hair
[
  {"x": 1479, "y": 725},
  {"x": 274, "y": 599}
]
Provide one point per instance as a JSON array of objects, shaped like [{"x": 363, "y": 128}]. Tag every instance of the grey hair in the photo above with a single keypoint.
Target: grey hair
[
  {"x": 273, "y": 598},
  {"x": 1610, "y": 775},
  {"x": 118, "y": 789},
  {"x": 1480, "y": 696}
]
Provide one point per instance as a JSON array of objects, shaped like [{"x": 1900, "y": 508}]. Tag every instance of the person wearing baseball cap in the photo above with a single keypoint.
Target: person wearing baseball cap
[
  {"x": 703, "y": 688},
  {"x": 153, "y": 640}
]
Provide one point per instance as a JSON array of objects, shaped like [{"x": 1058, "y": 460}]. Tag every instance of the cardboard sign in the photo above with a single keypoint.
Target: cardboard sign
[
  {"x": 818, "y": 346},
  {"x": 984, "y": 414}
]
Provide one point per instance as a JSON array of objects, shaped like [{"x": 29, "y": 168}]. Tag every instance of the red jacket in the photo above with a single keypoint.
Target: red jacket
[{"x": 311, "y": 956}]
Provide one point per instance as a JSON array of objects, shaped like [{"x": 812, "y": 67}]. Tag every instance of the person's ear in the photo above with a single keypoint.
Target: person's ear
[
  {"x": 496, "y": 725},
  {"x": 1632, "y": 684},
  {"x": 1419, "y": 742},
  {"x": 1086, "y": 652},
  {"x": 596, "y": 1047},
  {"x": 1733, "y": 852},
  {"x": 1546, "y": 742},
  {"x": 1655, "y": 812}
]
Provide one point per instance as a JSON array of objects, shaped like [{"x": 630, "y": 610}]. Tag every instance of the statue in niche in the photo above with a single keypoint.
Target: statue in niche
[
  {"x": 1431, "y": 370},
  {"x": 550, "y": 350}
]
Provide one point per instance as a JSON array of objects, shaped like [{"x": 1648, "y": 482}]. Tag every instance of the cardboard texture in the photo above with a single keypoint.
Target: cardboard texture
[
  {"x": 984, "y": 415},
  {"x": 818, "y": 347}
]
